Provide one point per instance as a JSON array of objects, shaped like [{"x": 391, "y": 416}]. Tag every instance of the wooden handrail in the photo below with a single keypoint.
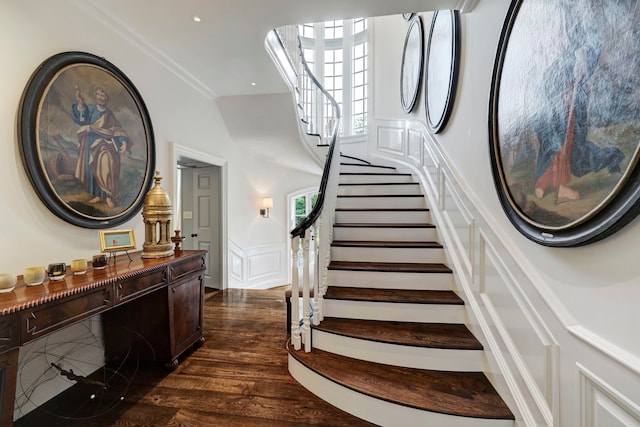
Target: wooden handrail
[{"x": 313, "y": 216}]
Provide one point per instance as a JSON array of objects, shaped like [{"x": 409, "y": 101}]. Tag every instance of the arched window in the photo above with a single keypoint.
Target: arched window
[{"x": 337, "y": 52}]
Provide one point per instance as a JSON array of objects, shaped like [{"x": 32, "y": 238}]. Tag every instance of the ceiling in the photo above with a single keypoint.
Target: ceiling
[{"x": 223, "y": 54}]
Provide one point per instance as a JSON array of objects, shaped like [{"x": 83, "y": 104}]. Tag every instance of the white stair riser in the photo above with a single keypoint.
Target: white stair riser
[
  {"x": 378, "y": 411},
  {"x": 384, "y": 217},
  {"x": 386, "y": 234},
  {"x": 379, "y": 189},
  {"x": 362, "y": 178},
  {"x": 375, "y": 254},
  {"x": 381, "y": 202},
  {"x": 400, "y": 355},
  {"x": 368, "y": 310},
  {"x": 390, "y": 280}
]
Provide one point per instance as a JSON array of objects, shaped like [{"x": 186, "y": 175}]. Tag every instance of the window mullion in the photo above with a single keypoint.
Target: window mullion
[{"x": 347, "y": 78}]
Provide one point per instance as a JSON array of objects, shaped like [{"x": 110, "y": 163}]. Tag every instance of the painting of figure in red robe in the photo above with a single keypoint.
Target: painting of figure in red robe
[{"x": 566, "y": 123}]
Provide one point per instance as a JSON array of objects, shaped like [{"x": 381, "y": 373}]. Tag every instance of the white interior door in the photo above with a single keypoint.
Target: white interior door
[{"x": 201, "y": 217}]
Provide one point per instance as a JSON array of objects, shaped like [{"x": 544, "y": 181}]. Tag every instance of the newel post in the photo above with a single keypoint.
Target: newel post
[{"x": 295, "y": 295}]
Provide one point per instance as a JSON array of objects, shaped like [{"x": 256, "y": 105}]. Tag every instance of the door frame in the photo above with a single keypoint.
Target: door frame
[{"x": 180, "y": 152}]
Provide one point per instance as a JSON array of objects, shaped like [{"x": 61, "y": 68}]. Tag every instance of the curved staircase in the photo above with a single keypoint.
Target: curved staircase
[{"x": 392, "y": 348}]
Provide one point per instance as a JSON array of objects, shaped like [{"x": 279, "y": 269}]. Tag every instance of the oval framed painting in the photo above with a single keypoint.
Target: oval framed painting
[
  {"x": 412, "y": 58},
  {"x": 86, "y": 140},
  {"x": 443, "y": 58},
  {"x": 564, "y": 121}
]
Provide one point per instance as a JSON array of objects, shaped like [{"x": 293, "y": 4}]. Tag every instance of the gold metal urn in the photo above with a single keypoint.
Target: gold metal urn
[{"x": 156, "y": 212}]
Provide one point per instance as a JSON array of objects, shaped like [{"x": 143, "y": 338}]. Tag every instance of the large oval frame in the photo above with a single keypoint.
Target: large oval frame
[
  {"x": 48, "y": 142},
  {"x": 620, "y": 204},
  {"x": 412, "y": 64},
  {"x": 443, "y": 64}
]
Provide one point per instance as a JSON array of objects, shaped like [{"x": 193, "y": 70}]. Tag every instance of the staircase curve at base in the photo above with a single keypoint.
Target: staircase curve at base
[{"x": 392, "y": 347}]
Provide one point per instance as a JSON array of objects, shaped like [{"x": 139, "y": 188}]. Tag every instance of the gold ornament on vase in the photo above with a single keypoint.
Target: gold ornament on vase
[{"x": 156, "y": 212}]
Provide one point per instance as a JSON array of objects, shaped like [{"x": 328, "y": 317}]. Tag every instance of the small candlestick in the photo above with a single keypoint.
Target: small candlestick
[{"x": 177, "y": 239}]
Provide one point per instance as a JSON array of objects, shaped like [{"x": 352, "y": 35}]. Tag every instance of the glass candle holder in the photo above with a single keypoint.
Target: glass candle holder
[
  {"x": 99, "y": 262},
  {"x": 79, "y": 266},
  {"x": 34, "y": 275},
  {"x": 57, "y": 270},
  {"x": 7, "y": 282}
]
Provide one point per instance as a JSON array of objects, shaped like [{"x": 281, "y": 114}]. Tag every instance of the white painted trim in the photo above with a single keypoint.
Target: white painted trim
[
  {"x": 247, "y": 270},
  {"x": 611, "y": 350},
  {"x": 590, "y": 382},
  {"x": 178, "y": 151}
]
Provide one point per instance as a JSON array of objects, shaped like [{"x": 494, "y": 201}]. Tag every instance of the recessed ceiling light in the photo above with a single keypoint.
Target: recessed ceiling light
[
  {"x": 253, "y": 83},
  {"x": 196, "y": 18}
]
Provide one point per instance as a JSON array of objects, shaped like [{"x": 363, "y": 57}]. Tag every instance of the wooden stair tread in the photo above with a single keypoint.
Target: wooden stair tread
[
  {"x": 401, "y": 267},
  {"x": 406, "y": 296},
  {"x": 385, "y": 244},
  {"x": 384, "y": 224},
  {"x": 415, "y": 334},
  {"x": 377, "y": 183},
  {"x": 367, "y": 165},
  {"x": 466, "y": 394},
  {"x": 383, "y": 209},
  {"x": 380, "y": 195},
  {"x": 375, "y": 173}
]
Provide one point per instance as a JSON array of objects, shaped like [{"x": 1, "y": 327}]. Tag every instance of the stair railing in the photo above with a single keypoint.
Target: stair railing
[{"x": 311, "y": 239}]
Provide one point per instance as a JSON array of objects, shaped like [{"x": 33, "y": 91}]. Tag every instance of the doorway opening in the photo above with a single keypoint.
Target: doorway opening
[{"x": 200, "y": 209}]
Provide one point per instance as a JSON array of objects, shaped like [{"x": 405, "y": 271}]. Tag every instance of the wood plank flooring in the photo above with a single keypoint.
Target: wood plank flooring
[{"x": 238, "y": 378}]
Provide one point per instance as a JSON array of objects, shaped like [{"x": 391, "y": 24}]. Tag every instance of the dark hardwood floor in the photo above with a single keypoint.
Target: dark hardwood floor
[{"x": 238, "y": 377}]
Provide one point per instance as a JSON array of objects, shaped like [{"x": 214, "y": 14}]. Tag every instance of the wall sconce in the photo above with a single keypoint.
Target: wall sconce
[{"x": 267, "y": 203}]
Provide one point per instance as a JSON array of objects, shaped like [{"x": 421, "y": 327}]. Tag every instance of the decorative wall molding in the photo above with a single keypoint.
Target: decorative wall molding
[
  {"x": 603, "y": 405},
  {"x": 621, "y": 356},
  {"x": 261, "y": 267},
  {"x": 523, "y": 352},
  {"x": 530, "y": 338}
]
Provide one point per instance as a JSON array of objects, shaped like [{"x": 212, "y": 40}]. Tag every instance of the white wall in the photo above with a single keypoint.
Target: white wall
[
  {"x": 179, "y": 114},
  {"x": 559, "y": 323},
  {"x": 180, "y": 111}
]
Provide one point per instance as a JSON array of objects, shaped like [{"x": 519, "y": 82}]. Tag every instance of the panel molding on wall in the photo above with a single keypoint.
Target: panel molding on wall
[
  {"x": 526, "y": 331},
  {"x": 603, "y": 405},
  {"x": 261, "y": 267},
  {"x": 523, "y": 353}
]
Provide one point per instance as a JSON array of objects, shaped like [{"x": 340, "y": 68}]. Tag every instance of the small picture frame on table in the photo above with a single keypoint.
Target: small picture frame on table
[{"x": 113, "y": 241}]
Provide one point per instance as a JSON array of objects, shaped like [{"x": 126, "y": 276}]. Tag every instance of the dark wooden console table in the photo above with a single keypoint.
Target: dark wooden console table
[{"x": 158, "y": 299}]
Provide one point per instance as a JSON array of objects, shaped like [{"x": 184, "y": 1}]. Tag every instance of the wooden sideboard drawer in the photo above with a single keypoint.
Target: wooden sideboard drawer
[
  {"x": 9, "y": 333},
  {"x": 41, "y": 320},
  {"x": 139, "y": 285},
  {"x": 178, "y": 269}
]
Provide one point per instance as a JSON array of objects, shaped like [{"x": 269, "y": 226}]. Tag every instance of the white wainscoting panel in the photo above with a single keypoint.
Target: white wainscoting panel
[
  {"x": 604, "y": 406},
  {"x": 431, "y": 170},
  {"x": 459, "y": 220},
  {"x": 414, "y": 144},
  {"x": 236, "y": 266},
  {"x": 260, "y": 267},
  {"x": 528, "y": 350},
  {"x": 391, "y": 139}
]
